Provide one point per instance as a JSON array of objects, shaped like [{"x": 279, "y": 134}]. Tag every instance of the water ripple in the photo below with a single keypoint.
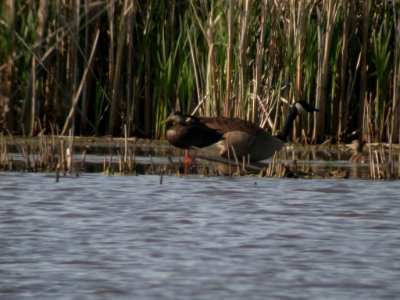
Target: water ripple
[{"x": 112, "y": 237}]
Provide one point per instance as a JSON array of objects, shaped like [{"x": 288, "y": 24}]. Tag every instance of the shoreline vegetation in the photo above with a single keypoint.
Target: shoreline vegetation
[
  {"x": 118, "y": 68},
  {"x": 72, "y": 155}
]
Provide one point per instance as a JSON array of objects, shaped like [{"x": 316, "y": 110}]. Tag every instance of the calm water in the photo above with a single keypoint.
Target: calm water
[{"x": 100, "y": 237}]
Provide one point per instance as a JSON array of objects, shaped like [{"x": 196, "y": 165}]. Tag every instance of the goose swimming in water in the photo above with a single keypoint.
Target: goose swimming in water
[{"x": 244, "y": 137}]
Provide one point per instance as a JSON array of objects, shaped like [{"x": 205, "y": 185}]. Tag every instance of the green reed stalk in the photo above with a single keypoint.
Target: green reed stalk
[
  {"x": 395, "y": 120},
  {"x": 363, "y": 62},
  {"x": 258, "y": 64},
  {"x": 228, "y": 67},
  {"x": 344, "y": 76},
  {"x": 242, "y": 49}
]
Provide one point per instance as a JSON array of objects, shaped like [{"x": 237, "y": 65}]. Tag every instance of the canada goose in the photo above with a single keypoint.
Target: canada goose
[
  {"x": 358, "y": 156},
  {"x": 244, "y": 137}
]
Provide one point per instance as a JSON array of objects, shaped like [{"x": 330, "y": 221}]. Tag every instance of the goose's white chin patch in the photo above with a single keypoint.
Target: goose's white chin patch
[{"x": 300, "y": 109}]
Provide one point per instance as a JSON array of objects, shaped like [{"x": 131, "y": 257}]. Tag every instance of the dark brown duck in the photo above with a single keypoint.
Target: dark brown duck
[{"x": 359, "y": 156}]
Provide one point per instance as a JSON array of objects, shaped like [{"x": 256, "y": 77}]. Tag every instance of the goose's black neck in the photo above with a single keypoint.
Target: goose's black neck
[{"x": 287, "y": 128}]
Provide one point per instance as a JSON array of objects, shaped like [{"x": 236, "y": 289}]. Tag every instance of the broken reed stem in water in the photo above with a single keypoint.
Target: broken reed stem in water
[
  {"x": 6, "y": 162},
  {"x": 378, "y": 171},
  {"x": 83, "y": 161},
  {"x": 381, "y": 166},
  {"x": 24, "y": 150},
  {"x": 62, "y": 160},
  {"x": 110, "y": 167},
  {"x": 107, "y": 165},
  {"x": 125, "y": 144},
  {"x": 121, "y": 163},
  {"x": 69, "y": 151},
  {"x": 386, "y": 163},
  {"x": 125, "y": 163},
  {"x": 244, "y": 162},
  {"x": 58, "y": 172},
  {"x": 151, "y": 169},
  {"x": 276, "y": 168},
  {"x": 122, "y": 158},
  {"x": 229, "y": 158},
  {"x": 271, "y": 167},
  {"x": 367, "y": 122},
  {"x": 126, "y": 160},
  {"x": 45, "y": 154},
  {"x": 236, "y": 159}
]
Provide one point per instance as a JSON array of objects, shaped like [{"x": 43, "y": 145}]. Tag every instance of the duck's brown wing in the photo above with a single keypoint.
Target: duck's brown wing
[
  {"x": 224, "y": 125},
  {"x": 192, "y": 134}
]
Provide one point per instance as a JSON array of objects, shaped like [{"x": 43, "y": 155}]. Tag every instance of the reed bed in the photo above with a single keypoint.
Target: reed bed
[
  {"x": 96, "y": 67},
  {"x": 46, "y": 154},
  {"x": 58, "y": 154}
]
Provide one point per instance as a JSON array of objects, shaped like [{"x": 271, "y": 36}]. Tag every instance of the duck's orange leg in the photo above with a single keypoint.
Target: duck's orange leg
[{"x": 188, "y": 160}]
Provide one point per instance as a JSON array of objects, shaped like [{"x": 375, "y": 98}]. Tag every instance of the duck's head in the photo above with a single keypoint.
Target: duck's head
[
  {"x": 175, "y": 117},
  {"x": 303, "y": 107},
  {"x": 356, "y": 146}
]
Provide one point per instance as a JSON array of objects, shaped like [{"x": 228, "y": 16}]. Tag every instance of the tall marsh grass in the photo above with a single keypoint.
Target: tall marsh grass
[{"x": 94, "y": 67}]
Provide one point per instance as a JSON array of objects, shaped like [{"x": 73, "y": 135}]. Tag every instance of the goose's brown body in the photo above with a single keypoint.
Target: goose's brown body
[{"x": 239, "y": 137}]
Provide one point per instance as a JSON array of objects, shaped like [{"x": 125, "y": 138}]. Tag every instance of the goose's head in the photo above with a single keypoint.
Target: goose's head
[{"x": 303, "y": 107}]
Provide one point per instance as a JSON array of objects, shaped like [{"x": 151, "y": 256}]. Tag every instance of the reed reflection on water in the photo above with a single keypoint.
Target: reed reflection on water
[
  {"x": 155, "y": 158},
  {"x": 130, "y": 237}
]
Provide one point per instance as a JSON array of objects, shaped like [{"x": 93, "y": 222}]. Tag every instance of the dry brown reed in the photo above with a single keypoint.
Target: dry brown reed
[
  {"x": 6, "y": 161},
  {"x": 381, "y": 167},
  {"x": 381, "y": 162},
  {"x": 108, "y": 167},
  {"x": 126, "y": 157}
]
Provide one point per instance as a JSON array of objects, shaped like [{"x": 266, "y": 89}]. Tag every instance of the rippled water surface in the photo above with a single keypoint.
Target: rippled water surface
[{"x": 116, "y": 237}]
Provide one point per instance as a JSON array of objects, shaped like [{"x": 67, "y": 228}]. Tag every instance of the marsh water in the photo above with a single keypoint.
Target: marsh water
[{"x": 94, "y": 236}]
